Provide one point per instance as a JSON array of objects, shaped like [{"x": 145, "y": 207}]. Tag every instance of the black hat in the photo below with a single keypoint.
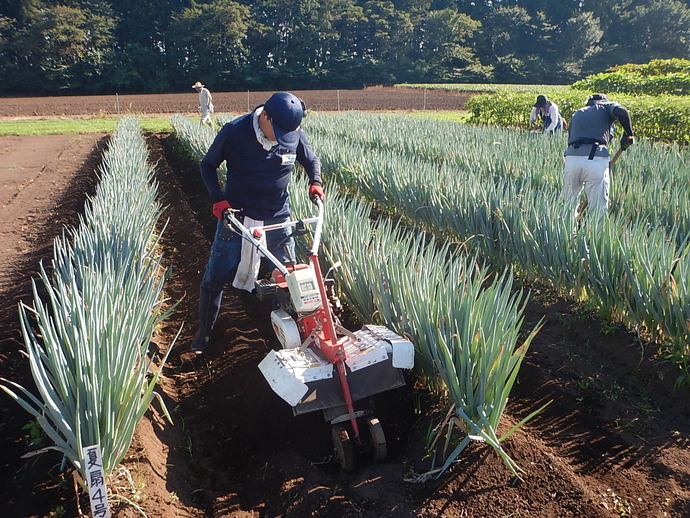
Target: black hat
[
  {"x": 596, "y": 98},
  {"x": 541, "y": 101}
]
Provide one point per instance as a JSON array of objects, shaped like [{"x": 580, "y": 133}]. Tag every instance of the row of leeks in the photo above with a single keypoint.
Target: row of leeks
[
  {"x": 88, "y": 338},
  {"x": 198, "y": 138},
  {"x": 498, "y": 193},
  {"x": 649, "y": 177},
  {"x": 464, "y": 323}
]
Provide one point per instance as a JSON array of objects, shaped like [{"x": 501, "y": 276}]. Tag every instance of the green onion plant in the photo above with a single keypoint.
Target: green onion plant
[
  {"x": 497, "y": 192},
  {"x": 88, "y": 331}
]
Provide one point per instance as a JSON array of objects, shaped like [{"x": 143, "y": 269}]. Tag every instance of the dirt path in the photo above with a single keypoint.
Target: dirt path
[
  {"x": 35, "y": 176},
  {"x": 614, "y": 441}
]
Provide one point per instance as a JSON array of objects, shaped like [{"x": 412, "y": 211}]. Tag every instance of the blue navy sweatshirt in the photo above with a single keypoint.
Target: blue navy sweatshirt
[{"x": 257, "y": 179}]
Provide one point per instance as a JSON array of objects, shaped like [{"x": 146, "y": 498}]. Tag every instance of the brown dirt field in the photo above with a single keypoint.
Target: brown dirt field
[
  {"x": 613, "y": 442},
  {"x": 374, "y": 98}
]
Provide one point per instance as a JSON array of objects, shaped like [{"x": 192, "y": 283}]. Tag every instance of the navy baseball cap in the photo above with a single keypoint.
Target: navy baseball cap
[{"x": 286, "y": 112}]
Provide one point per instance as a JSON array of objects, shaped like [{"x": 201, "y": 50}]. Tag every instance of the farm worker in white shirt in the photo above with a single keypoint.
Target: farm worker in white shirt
[
  {"x": 548, "y": 112},
  {"x": 205, "y": 104}
]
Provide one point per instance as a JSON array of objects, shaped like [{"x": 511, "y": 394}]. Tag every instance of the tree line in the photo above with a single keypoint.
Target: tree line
[{"x": 51, "y": 47}]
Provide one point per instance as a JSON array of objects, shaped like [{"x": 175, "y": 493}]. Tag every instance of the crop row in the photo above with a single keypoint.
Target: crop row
[
  {"x": 496, "y": 192},
  {"x": 89, "y": 328}
]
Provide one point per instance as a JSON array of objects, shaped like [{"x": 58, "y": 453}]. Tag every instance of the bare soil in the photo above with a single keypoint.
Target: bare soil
[
  {"x": 373, "y": 98},
  {"x": 612, "y": 443}
]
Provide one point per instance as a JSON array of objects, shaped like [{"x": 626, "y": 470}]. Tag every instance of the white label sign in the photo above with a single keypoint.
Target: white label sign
[{"x": 95, "y": 478}]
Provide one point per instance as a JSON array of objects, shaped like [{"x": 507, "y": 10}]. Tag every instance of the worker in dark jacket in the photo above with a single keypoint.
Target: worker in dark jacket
[
  {"x": 587, "y": 156},
  {"x": 260, "y": 150}
]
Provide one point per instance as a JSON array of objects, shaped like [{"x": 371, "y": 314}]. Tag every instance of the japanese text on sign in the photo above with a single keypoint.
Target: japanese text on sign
[{"x": 95, "y": 478}]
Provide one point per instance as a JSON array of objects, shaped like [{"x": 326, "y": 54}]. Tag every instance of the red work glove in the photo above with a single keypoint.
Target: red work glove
[
  {"x": 219, "y": 207},
  {"x": 315, "y": 191}
]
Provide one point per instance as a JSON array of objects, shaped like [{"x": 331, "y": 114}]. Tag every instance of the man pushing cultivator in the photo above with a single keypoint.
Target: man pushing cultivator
[
  {"x": 260, "y": 150},
  {"x": 317, "y": 364},
  {"x": 587, "y": 158}
]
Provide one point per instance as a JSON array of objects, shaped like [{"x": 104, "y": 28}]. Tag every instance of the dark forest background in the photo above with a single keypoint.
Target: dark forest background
[{"x": 52, "y": 47}]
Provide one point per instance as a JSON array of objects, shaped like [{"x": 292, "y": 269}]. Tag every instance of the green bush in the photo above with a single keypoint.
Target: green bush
[
  {"x": 623, "y": 82},
  {"x": 656, "y": 67},
  {"x": 658, "y": 77}
]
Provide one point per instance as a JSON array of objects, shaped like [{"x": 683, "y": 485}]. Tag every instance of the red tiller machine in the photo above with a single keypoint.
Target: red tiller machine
[{"x": 322, "y": 365}]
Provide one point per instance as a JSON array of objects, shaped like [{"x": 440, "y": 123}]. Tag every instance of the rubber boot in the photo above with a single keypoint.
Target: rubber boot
[{"x": 209, "y": 306}]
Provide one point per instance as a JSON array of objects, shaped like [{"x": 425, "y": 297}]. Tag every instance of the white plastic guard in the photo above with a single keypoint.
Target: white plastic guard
[
  {"x": 288, "y": 370},
  {"x": 366, "y": 351},
  {"x": 281, "y": 380},
  {"x": 403, "y": 354},
  {"x": 402, "y": 349}
]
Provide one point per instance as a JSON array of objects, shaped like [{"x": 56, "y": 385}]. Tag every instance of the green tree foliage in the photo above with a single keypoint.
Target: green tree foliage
[
  {"x": 346, "y": 66},
  {"x": 636, "y": 31},
  {"x": 386, "y": 40},
  {"x": 99, "y": 46},
  {"x": 63, "y": 48},
  {"x": 444, "y": 53},
  {"x": 580, "y": 38},
  {"x": 18, "y": 9},
  {"x": 137, "y": 68},
  {"x": 6, "y": 31},
  {"x": 661, "y": 29},
  {"x": 209, "y": 41},
  {"x": 509, "y": 39}
]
